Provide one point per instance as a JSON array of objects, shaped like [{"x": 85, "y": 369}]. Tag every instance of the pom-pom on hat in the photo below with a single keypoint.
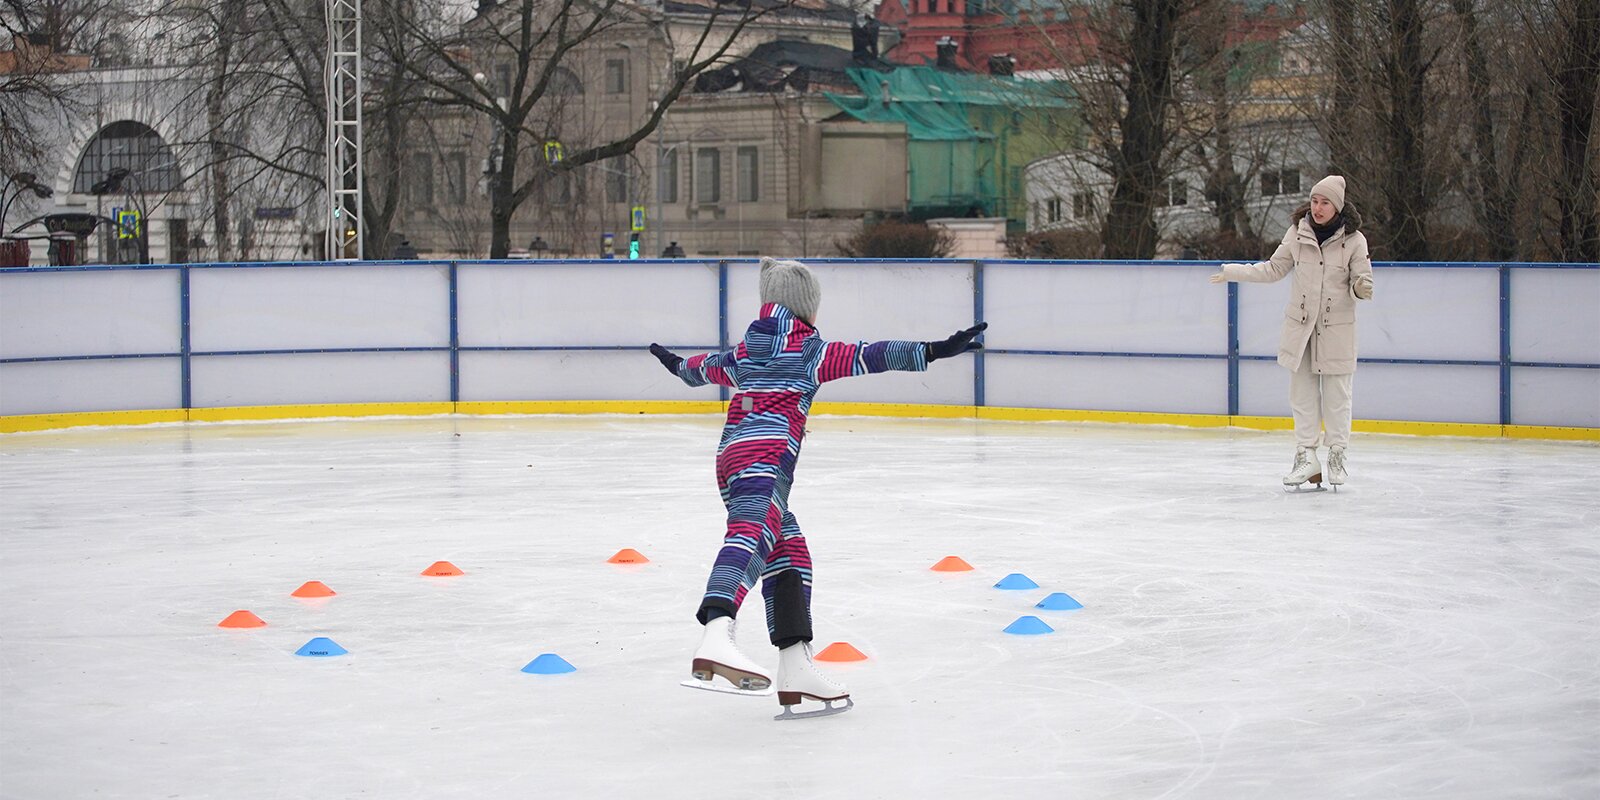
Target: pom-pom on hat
[
  {"x": 1331, "y": 187},
  {"x": 790, "y": 284}
]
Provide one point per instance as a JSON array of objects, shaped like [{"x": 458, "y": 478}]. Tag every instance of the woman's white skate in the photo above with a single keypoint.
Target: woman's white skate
[{"x": 1306, "y": 470}]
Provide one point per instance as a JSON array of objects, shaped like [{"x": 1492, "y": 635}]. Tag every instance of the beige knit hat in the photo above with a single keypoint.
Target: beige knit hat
[
  {"x": 790, "y": 284},
  {"x": 1331, "y": 187}
]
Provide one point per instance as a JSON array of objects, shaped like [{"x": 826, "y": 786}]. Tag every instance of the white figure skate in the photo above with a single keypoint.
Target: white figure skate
[
  {"x": 1336, "y": 471},
  {"x": 1306, "y": 470},
  {"x": 799, "y": 678},
  {"x": 719, "y": 655}
]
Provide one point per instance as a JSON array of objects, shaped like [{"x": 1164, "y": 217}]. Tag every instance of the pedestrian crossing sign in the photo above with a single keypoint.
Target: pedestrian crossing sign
[
  {"x": 128, "y": 224},
  {"x": 638, "y": 218}
]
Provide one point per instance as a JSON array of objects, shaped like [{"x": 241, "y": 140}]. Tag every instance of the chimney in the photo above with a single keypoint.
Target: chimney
[
  {"x": 1002, "y": 64},
  {"x": 946, "y": 48}
]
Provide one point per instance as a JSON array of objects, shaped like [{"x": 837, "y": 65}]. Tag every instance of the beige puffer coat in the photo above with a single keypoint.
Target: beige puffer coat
[{"x": 1322, "y": 302}]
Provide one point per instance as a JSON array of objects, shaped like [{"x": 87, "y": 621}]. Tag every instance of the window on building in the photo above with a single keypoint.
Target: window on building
[
  {"x": 558, "y": 188},
  {"x": 455, "y": 171},
  {"x": 565, "y": 82},
  {"x": 1280, "y": 181},
  {"x": 1082, "y": 205},
  {"x": 503, "y": 79},
  {"x": 749, "y": 167},
  {"x": 667, "y": 181},
  {"x": 617, "y": 189},
  {"x": 1053, "y": 209},
  {"x": 616, "y": 76},
  {"x": 1172, "y": 193},
  {"x": 419, "y": 184},
  {"x": 708, "y": 175},
  {"x": 133, "y": 147}
]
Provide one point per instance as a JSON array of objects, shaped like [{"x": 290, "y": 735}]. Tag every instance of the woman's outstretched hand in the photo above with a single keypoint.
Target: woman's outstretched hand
[{"x": 957, "y": 344}]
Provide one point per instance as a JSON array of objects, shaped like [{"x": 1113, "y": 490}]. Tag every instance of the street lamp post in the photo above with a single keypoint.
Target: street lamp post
[{"x": 22, "y": 182}]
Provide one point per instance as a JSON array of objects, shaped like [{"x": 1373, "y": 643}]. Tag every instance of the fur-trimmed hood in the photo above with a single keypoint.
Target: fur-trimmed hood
[{"x": 1352, "y": 217}]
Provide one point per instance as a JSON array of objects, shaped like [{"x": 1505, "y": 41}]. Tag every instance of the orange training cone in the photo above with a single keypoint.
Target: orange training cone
[
  {"x": 840, "y": 651},
  {"x": 628, "y": 555},
  {"x": 242, "y": 619},
  {"x": 442, "y": 569},
  {"x": 313, "y": 589},
  {"x": 952, "y": 564}
]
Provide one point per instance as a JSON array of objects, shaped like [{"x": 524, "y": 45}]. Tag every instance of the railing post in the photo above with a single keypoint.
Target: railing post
[
  {"x": 455, "y": 337},
  {"x": 1505, "y": 345},
  {"x": 722, "y": 318},
  {"x": 977, "y": 316},
  {"x": 184, "y": 347},
  {"x": 1233, "y": 349}
]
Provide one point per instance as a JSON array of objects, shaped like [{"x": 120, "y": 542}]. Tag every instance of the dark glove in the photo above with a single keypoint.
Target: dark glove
[
  {"x": 666, "y": 357},
  {"x": 960, "y": 343}
]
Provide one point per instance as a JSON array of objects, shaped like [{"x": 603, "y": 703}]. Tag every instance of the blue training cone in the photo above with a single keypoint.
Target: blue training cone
[
  {"x": 1016, "y": 580},
  {"x": 1029, "y": 626},
  {"x": 548, "y": 664},
  {"x": 321, "y": 647},
  {"x": 1059, "y": 601}
]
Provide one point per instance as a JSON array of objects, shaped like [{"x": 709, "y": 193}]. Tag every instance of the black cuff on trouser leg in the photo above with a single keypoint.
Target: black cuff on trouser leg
[
  {"x": 715, "y": 607},
  {"x": 791, "y": 611}
]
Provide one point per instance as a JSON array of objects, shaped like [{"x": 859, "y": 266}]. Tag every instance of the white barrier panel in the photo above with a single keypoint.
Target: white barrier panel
[
  {"x": 1419, "y": 313},
  {"x": 1439, "y": 314},
  {"x": 1105, "y": 308},
  {"x": 57, "y": 387},
  {"x": 586, "y": 375},
  {"x": 307, "y": 307},
  {"x": 1418, "y": 392},
  {"x": 1549, "y": 396},
  {"x": 590, "y": 304},
  {"x": 877, "y": 301},
  {"x": 1168, "y": 385},
  {"x": 308, "y": 378},
  {"x": 1425, "y": 392},
  {"x": 93, "y": 312},
  {"x": 1555, "y": 316}
]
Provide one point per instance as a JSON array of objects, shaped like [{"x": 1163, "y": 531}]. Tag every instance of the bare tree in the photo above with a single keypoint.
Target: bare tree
[
  {"x": 1495, "y": 139},
  {"x": 1129, "y": 96},
  {"x": 1571, "y": 64},
  {"x": 50, "y": 39},
  {"x": 538, "y": 41}
]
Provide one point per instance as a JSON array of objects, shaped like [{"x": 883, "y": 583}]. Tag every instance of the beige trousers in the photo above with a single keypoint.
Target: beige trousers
[{"x": 1318, "y": 401}]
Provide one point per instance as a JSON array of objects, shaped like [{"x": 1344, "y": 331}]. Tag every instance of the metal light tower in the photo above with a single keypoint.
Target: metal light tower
[{"x": 343, "y": 82}]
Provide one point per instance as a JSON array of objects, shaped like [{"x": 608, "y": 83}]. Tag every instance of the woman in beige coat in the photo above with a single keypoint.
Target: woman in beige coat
[{"x": 1327, "y": 253}]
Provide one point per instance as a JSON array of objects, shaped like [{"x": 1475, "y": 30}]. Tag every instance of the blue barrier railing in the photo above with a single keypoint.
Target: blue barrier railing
[{"x": 186, "y": 354}]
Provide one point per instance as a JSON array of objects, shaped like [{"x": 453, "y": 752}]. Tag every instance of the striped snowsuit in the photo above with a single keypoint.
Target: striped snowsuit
[{"x": 777, "y": 369}]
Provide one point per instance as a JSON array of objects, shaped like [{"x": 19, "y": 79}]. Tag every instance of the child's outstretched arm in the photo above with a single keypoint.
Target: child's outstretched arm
[
  {"x": 960, "y": 342},
  {"x": 847, "y": 359},
  {"x": 697, "y": 370}
]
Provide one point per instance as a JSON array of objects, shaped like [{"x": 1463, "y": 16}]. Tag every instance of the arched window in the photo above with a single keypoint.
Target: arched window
[
  {"x": 565, "y": 81},
  {"x": 131, "y": 146}
]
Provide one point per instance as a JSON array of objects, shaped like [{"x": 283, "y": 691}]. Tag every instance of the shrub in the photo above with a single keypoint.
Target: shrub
[{"x": 897, "y": 240}]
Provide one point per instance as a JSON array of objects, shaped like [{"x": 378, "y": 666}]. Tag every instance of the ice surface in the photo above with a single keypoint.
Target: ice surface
[{"x": 1429, "y": 631}]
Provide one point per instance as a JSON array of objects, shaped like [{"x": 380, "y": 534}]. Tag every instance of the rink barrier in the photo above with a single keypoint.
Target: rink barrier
[
  {"x": 23, "y": 423},
  {"x": 979, "y": 409}
]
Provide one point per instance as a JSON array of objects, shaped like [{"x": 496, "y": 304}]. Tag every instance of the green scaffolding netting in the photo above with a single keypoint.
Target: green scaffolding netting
[{"x": 957, "y": 155}]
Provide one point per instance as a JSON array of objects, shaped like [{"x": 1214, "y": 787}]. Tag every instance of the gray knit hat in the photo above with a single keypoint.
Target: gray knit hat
[{"x": 790, "y": 284}]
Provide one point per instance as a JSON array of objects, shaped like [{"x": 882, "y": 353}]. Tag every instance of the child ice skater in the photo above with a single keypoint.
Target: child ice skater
[{"x": 777, "y": 371}]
